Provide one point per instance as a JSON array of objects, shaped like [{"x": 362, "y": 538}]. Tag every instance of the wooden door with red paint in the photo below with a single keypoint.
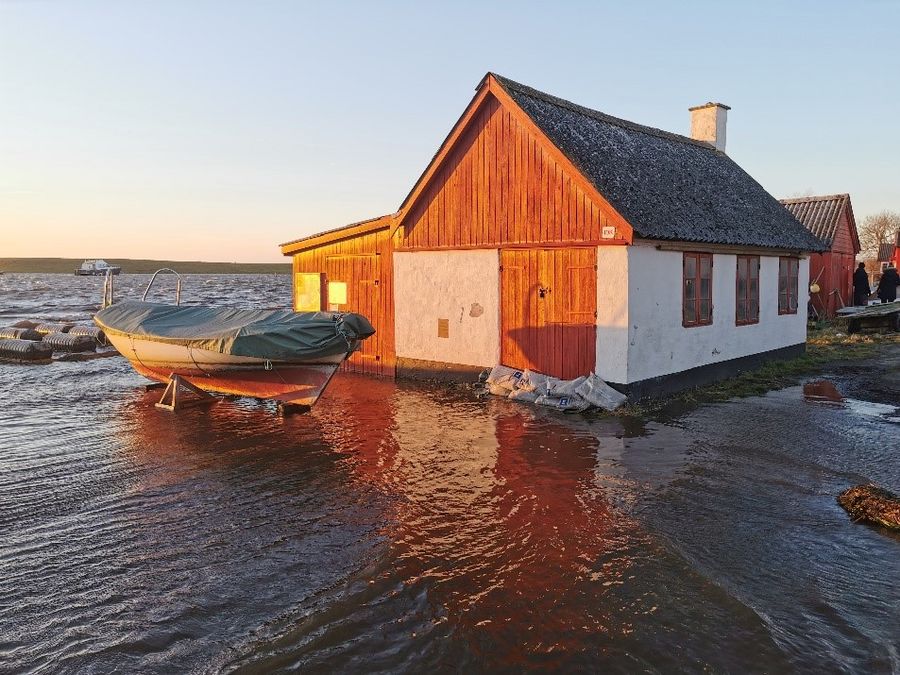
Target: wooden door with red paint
[
  {"x": 354, "y": 286},
  {"x": 548, "y": 310}
]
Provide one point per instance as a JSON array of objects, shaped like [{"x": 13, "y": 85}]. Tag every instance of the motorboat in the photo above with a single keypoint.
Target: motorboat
[
  {"x": 96, "y": 268},
  {"x": 261, "y": 353}
]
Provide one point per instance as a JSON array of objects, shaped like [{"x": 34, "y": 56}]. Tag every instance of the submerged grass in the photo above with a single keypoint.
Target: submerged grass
[{"x": 827, "y": 344}]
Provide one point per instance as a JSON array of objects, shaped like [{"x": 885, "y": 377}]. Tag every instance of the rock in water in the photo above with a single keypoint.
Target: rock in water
[{"x": 872, "y": 504}]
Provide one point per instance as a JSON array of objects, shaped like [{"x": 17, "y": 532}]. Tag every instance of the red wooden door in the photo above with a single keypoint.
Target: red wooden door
[
  {"x": 548, "y": 310},
  {"x": 361, "y": 275}
]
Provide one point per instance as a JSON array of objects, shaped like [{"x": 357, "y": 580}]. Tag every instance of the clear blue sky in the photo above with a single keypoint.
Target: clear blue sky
[{"x": 216, "y": 130}]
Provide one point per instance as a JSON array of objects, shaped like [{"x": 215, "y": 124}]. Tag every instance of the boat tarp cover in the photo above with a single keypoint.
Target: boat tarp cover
[{"x": 277, "y": 335}]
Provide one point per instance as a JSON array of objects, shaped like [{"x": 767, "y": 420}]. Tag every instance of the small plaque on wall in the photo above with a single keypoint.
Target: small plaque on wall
[
  {"x": 443, "y": 328},
  {"x": 608, "y": 232}
]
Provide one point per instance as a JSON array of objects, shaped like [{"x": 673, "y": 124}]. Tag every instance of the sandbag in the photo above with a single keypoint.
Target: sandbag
[
  {"x": 498, "y": 390},
  {"x": 505, "y": 377},
  {"x": 596, "y": 392},
  {"x": 533, "y": 387},
  {"x": 523, "y": 395},
  {"x": 573, "y": 402},
  {"x": 536, "y": 382},
  {"x": 566, "y": 387}
]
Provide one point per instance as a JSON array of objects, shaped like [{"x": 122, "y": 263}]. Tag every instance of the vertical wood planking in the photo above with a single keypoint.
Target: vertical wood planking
[
  {"x": 360, "y": 261},
  {"x": 555, "y": 334}
]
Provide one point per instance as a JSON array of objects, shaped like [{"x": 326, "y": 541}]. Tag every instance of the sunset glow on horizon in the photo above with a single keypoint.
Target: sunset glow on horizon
[{"x": 202, "y": 131}]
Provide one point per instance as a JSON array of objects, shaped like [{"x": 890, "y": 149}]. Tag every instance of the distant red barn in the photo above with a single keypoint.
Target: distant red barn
[
  {"x": 830, "y": 219},
  {"x": 889, "y": 252}
]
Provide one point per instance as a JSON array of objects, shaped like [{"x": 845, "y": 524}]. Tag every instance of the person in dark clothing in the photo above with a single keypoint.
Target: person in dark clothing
[
  {"x": 887, "y": 287},
  {"x": 861, "y": 288}
]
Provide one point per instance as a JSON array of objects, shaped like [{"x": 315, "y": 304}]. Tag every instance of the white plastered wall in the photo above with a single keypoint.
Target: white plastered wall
[
  {"x": 612, "y": 313},
  {"x": 460, "y": 286},
  {"x": 657, "y": 342}
]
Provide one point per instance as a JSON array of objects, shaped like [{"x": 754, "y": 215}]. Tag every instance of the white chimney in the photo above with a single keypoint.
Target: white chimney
[{"x": 708, "y": 123}]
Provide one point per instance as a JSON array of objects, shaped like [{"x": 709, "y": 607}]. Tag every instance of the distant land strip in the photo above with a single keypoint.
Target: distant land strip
[{"x": 69, "y": 265}]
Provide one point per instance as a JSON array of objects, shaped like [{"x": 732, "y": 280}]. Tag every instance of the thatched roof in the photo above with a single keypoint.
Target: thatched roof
[{"x": 665, "y": 185}]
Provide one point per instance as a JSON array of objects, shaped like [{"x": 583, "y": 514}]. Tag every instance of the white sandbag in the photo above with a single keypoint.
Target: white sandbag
[
  {"x": 523, "y": 395},
  {"x": 536, "y": 382},
  {"x": 498, "y": 390},
  {"x": 505, "y": 377},
  {"x": 574, "y": 402},
  {"x": 566, "y": 387},
  {"x": 596, "y": 392}
]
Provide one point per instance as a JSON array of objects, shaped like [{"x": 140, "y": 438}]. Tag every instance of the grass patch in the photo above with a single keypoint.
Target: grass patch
[{"x": 826, "y": 344}]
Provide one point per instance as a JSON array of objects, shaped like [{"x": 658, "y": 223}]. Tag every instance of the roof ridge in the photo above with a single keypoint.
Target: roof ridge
[
  {"x": 599, "y": 115},
  {"x": 335, "y": 230},
  {"x": 815, "y": 198}
]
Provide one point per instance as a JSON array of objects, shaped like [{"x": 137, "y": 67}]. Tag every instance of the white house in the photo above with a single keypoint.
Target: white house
[{"x": 550, "y": 236}]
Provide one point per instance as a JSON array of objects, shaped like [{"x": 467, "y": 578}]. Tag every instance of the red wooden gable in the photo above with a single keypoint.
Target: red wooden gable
[{"x": 498, "y": 181}]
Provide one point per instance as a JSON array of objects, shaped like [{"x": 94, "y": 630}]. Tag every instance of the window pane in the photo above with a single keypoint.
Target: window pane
[
  {"x": 704, "y": 310},
  {"x": 705, "y": 263},
  {"x": 689, "y": 289},
  {"x": 782, "y": 267},
  {"x": 754, "y": 310},
  {"x": 782, "y": 301},
  {"x": 690, "y": 266},
  {"x": 754, "y": 288},
  {"x": 741, "y": 311},
  {"x": 704, "y": 288},
  {"x": 742, "y": 287},
  {"x": 689, "y": 314},
  {"x": 754, "y": 268}
]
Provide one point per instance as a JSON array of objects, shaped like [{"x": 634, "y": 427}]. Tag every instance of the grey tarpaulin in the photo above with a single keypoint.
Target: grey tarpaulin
[{"x": 277, "y": 335}]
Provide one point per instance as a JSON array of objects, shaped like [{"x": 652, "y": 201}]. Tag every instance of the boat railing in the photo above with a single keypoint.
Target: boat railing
[
  {"x": 109, "y": 289},
  {"x": 177, "y": 284}
]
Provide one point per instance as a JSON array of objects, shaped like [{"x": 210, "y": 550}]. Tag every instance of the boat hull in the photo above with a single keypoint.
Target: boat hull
[
  {"x": 294, "y": 383},
  {"x": 98, "y": 273}
]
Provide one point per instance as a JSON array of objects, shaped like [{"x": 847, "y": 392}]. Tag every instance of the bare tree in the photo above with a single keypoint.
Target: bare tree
[{"x": 876, "y": 229}]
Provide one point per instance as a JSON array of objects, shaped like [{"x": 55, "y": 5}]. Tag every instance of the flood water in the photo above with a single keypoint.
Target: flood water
[{"x": 402, "y": 527}]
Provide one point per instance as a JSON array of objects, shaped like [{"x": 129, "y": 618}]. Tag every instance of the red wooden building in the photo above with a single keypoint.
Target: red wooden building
[
  {"x": 354, "y": 266},
  {"x": 830, "y": 219}
]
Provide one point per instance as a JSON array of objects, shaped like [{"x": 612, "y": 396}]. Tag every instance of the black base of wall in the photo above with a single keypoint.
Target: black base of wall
[
  {"x": 416, "y": 369},
  {"x": 656, "y": 387}
]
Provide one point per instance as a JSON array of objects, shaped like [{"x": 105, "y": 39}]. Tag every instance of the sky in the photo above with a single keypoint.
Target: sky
[{"x": 194, "y": 130}]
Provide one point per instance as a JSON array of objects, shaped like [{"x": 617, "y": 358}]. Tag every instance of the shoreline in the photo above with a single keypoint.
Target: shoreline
[{"x": 139, "y": 266}]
